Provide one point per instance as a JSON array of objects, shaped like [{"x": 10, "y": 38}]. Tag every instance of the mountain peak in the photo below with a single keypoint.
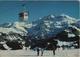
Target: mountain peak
[
  {"x": 51, "y": 16},
  {"x": 51, "y": 25}
]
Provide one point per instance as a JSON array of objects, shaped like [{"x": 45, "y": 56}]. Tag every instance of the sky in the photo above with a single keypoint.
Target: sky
[{"x": 9, "y": 10}]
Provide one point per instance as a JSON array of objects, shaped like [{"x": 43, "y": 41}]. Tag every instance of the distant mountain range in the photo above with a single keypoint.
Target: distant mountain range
[{"x": 47, "y": 26}]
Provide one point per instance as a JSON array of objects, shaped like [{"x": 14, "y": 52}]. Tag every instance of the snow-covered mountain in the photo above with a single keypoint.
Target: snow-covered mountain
[
  {"x": 51, "y": 25},
  {"x": 13, "y": 31},
  {"x": 47, "y": 26}
]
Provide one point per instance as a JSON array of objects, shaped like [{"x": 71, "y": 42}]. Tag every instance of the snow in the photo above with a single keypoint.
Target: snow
[
  {"x": 60, "y": 43},
  {"x": 48, "y": 53},
  {"x": 15, "y": 27},
  {"x": 71, "y": 35},
  {"x": 22, "y": 25},
  {"x": 19, "y": 26},
  {"x": 46, "y": 23},
  {"x": 7, "y": 30},
  {"x": 52, "y": 16},
  {"x": 47, "y": 30},
  {"x": 58, "y": 26},
  {"x": 51, "y": 22},
  {"x": 6, "y": 47}
]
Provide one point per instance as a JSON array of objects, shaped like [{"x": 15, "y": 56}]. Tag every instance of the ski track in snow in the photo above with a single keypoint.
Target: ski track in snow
[{"x": 31, "y": 53}]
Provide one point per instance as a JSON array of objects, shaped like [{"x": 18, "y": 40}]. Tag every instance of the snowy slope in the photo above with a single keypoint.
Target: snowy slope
[
  {"x": 16, "y": 27},
  {"x": 47, "y": 53}
]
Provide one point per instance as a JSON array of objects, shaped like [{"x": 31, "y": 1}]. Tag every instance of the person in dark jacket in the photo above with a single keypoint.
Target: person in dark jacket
[
  {"x": 53, "y": 44},
  {"x": 40, "y": 46}
]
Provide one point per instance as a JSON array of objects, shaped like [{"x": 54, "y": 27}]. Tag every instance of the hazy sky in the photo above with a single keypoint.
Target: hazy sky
[{"x": 9, "y": 9}]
